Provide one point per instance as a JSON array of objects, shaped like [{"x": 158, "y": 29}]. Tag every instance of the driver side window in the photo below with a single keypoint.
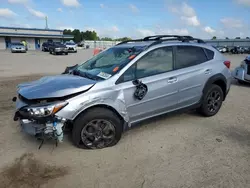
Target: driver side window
[{"x": 155, "y": 62}]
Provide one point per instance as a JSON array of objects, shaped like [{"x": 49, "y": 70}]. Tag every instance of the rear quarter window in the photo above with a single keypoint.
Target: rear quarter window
[{"x": 209, "y": 53}]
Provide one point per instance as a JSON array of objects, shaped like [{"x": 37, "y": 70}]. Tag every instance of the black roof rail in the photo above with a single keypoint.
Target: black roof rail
[
  {"x": 157, "y": 37},
  {"x": 160, "y": 38}
]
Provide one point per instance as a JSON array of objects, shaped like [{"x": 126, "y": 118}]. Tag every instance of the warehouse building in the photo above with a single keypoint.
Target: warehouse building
[{"x": 33, "y": 37}]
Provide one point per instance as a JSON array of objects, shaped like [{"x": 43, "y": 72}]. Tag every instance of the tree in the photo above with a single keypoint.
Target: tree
[
  {"x": 227, "y": 38},
  {"x": 123, "y": 39},
  {"x": 77, "y": 35},
  {"x": 247, "y": 38},
  {"x": 106, "y": 39},
  {"x": 237, "y": 37},
  {"x": 214, "y": 37}
]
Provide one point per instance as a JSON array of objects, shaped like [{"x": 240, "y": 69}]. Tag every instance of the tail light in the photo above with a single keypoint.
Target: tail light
[{"x": 227, "y": 64}]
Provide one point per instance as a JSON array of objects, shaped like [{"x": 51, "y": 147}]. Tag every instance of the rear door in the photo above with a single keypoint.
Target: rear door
[{"x": 194, "y": 67}]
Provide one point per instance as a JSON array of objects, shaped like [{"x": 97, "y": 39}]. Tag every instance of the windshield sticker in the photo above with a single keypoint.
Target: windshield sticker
[
  {"x": 115, "y": 69},
  {"x": 104, "y": 75},
  {"x": 131, "y": 57}
]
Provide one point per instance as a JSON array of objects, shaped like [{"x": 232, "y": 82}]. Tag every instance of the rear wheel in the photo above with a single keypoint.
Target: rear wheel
[
  {"x": 97, "y": 128},
  {"x": 212, "y": 101}
]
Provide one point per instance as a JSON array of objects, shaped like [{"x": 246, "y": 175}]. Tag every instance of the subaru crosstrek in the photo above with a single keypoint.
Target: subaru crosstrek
[{"x": 127, "y": 83}]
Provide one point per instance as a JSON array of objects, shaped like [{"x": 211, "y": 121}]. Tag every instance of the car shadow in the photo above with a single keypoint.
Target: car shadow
[
  {"x": 238, "y": 134},
  {"x": 235, "y": 82}
]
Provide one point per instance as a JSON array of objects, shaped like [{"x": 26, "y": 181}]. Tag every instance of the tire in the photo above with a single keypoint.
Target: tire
[
  {"x": 205, "y": 108},
  {"x": 98, "y": 113},
  {"x": 66, "y": 53},
  {"x": 50, "y": 51}
]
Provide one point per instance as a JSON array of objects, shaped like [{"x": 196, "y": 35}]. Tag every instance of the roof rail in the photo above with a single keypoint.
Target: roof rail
[{"x": 162, "y": 38}]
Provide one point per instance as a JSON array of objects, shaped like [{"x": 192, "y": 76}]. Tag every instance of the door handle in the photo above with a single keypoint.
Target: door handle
[
  {"x": 208, "y": 71},
  {"x": 172, "y": 80}
]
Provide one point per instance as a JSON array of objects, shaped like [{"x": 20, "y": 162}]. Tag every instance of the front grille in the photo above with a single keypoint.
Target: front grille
[{"x": 71, "y": 48}]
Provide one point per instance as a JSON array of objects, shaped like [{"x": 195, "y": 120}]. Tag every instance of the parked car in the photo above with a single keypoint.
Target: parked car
[
  {"x": 71, "y": 46},
  {"x": 223, "y": 49},
  {"x": 58, "y": 48},
  {"x": 237, "y": 50},
  {"x": 125, "y": 84},
  {"x": 46, "y": 46},
  {"x": 242, "y": 72},
  {"x": 18, "y": 47}
]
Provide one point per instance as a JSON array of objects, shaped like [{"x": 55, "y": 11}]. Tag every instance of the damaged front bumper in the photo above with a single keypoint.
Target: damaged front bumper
[
  {"x": 40, "y": 127},
  {"x": 240, "y": 73}
]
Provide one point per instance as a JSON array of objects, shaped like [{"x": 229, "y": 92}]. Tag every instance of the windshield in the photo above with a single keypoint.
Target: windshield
[
  {"x": 57, "y": 43},
  {"x": 17, "y": 44},
  {"x": 70, "y": 43},
  {"x": 107, "y": 63}
]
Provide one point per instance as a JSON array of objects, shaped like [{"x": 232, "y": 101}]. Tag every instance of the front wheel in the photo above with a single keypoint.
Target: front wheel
[
  {"x": 97, "y": 128},
  {"x": 212, "y": 101}
]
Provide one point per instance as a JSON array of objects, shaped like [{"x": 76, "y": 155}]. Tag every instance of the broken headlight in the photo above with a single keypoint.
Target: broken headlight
[{"x": 44, "y": 110}]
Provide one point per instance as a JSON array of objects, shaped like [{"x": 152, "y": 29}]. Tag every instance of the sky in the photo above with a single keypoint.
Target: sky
[{"x": 137, "y": 18}]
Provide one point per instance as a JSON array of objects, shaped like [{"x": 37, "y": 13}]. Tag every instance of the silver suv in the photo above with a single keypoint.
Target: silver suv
[{"x": 130, "y": 82}]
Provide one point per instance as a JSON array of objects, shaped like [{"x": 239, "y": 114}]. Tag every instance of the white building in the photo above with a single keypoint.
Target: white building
[{"x": 34, "y": 37}]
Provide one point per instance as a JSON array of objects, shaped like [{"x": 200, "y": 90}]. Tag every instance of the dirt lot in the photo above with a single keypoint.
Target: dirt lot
[{"x": 183, "y": 150}]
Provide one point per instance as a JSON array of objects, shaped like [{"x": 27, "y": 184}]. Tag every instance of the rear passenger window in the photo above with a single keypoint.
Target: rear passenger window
[
  {"x": 187, "y": 56},
  {"x": 210, "y": 54}
]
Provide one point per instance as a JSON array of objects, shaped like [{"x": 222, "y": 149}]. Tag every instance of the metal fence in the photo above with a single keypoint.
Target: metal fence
[
  {"x": 100, "y": 44},
  {"x": 229, "y": 42},
  {"x": 216, "y": 42}
]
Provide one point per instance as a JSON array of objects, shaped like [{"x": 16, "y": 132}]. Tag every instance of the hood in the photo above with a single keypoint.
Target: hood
[{"x": 54, "y": 86}]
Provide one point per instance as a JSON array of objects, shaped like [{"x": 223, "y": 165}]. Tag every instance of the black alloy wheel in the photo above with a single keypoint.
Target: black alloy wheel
[
  {"x": 98, "y": 133},
  {"x": 212, "y": 101}
]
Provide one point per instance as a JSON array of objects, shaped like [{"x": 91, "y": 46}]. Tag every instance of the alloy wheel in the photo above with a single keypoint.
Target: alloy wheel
[
  {"x": 214, "y": 101},
  {"x": 98, "y": 133}
]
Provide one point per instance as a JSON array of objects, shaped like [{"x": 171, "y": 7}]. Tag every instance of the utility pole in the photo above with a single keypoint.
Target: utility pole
[{"x": 46, "y": 22}]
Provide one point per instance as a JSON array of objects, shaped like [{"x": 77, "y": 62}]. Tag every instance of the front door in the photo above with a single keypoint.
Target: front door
[{"x": 154, "y": 70}]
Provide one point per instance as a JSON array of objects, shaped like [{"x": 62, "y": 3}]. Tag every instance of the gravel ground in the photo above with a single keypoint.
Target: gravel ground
[{"x": 181, "y": 150}]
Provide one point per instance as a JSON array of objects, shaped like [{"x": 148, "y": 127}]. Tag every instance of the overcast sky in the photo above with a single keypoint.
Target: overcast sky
[{"x": 137, "y": 18}]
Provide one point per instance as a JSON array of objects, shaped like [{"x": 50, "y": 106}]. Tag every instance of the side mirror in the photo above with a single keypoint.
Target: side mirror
[{"x": 136, "y": 82}]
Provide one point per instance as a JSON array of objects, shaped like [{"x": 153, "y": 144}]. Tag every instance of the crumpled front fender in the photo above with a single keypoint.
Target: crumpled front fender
[{"x": 111, "y": 98}]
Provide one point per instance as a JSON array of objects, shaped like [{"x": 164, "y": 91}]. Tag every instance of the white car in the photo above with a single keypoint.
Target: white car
[
  {"x": 242, "y": 72},
  {"x": 71, "y": 46}
]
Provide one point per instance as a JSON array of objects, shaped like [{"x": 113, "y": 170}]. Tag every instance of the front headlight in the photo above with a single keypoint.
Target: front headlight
[{"x": 45, "y": 110}]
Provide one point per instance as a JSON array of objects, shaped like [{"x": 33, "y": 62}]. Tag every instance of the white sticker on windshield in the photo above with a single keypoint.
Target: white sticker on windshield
[{"x": 104, "y": 75}]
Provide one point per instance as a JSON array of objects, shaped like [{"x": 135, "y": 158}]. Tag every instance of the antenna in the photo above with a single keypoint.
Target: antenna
[{"x": 46, "y": 22}]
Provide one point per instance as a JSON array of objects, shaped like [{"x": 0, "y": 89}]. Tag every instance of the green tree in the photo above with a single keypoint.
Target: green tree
[
  {"x": 106, "y": 39},
  {"x": 123, "y": 39},
  {"x": 214, "y": 37},
  {"x": 237, "y": 37},
  {"x": 227, "y": 38},
  {"x": 247, "y": 38}
]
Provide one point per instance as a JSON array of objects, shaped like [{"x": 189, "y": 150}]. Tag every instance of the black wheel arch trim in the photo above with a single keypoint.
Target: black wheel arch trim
[{"x": 216, "y": 78}]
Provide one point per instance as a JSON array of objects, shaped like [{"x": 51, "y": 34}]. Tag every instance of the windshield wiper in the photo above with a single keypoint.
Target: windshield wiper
[{"x": 84, "y": 74}]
